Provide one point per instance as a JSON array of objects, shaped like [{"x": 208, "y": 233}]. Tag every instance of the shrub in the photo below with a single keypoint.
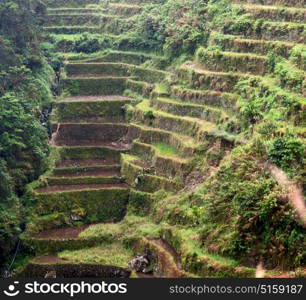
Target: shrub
[
  {"x": 286, "y": 151},
  {"x": 87, "y": 44}
]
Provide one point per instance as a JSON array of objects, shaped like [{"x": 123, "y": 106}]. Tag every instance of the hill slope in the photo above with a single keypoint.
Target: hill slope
[{"x": 165, "y": 137}]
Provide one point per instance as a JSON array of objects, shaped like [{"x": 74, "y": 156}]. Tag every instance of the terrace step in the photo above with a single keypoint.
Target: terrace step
[
  {"x": 125, "y": 10},
  {"x": 275, "y": 13},
  {"x": 232, "y": 62},
  {"x": 184, "y": 145},
  {"x": 202, "y": 131},
  {"x": 290, "y": 3},
  {"x": 243, "y": 45},
  {"x": 95, "y": 202},
  {"x": 136, "y": 175},
  {"x": 94, "y": 69},
  {"x": 86, "y": 163},
  {"x": 72, "y": 19},
  {"x": 98, "y": 98},
  {"x": 203, "y": 112},
  {"x": 90, "y": 86},
  {"x": 226, "y": 101},
  {"x": 70, "y": 3},
  {"x": 128, "y": 57},
  {"x": 71, "y": 232},
  {"x": 139, "y": 87},
  {"x": 277, "y": 31},
  {"x": 72, "y": 29},
  {"x": 91, "y": 133},
  {"x": 84, "y": 155},
  {"x": 183, "y": 125},
  {"x": 91, "y": 109},
  {"x": 79, "y": 187},
  {"x": 158, "y": 163},
  {"x": 80, "y": 171},
  {"x": 200, "y": 78},
  {"x": 76, "y": 10},
  {"x": 81, "y": 179},
  {"x": 115, "y": 69},
  {"x": 92, "y": 143}
]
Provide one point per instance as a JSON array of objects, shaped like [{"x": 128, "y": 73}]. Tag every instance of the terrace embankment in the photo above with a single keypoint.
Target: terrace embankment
[{"x": 131, "y": 137}]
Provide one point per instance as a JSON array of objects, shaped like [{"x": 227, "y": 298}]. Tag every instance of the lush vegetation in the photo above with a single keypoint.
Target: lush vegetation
[
  {"x": 218, "y": 102},
  {"x": 25, "y": 82}
]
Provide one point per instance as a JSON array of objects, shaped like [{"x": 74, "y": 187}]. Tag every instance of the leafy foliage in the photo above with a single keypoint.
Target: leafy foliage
[
  {"x": 285, "y": 151},
  {"x": 177, "y": 27},
  {"x": 25, "y": 80}
]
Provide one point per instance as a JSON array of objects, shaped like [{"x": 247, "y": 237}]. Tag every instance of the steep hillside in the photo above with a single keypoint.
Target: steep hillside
[{"x": 179, "y": 134}]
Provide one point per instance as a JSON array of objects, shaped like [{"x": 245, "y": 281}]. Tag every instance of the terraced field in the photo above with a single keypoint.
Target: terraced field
[{"x": 125, "y": 127}]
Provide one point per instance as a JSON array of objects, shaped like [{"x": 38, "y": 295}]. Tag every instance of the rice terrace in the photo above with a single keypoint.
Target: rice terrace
[{"x": 149, "y": 139}]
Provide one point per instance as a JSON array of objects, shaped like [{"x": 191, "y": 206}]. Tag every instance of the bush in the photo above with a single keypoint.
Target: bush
[
  {"x": 286, "y": 152},
  {"x": 87, "y": 44}
]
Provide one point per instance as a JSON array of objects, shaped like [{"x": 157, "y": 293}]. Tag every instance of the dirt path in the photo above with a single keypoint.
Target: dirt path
[
  {"x": 295, "y": 194},
  {"x": 170, "y": 250},
  {"x": 174, "y": 269},
  {"x": 54, "y": 135}
]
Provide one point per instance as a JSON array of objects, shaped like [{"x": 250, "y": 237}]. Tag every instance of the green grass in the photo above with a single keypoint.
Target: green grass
[
  {"x": 145, "y": 106},
  {"x": 165, "y": 149},
  {"x": 161, "y": 88},
  {"x": 110, "y": 255},
  {"x": 101, "y": 230},
  {"x": 131, "y": 225}
]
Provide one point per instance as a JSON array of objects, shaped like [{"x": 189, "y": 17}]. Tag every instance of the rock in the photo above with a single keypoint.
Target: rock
[
  {"x": 76, "y": 217},
  {"x": 51, "y": 274},
  {"x": 140, "y": 263}
]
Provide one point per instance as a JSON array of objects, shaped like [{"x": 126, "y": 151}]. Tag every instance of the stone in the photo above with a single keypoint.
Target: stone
[{"x": 140, "y": 263}]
